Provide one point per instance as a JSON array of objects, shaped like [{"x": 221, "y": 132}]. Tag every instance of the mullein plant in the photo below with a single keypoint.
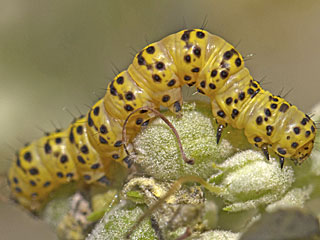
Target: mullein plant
[{"x": 230, "y": 192}]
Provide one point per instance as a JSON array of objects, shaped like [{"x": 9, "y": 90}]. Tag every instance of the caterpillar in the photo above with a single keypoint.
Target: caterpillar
[{"x": 91, "y": 144}]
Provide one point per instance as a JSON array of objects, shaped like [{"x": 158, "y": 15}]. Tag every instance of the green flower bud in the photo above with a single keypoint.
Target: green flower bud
[
  {"x": 59, "y": 205},
  {"x": 315, "y": 155},
  {"x": 250, "y": 180},
  {"x": 117, "y": 222},
  {"x": 102, "y": 202},
  {"x": 315, "y": 161},
  {"x": 294, "y": 198}
]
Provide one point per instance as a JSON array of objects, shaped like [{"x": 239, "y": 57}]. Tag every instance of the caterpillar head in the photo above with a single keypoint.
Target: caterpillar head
[
  {"x": 307, "y": 136},
  {"x": 303, "y": 152}
]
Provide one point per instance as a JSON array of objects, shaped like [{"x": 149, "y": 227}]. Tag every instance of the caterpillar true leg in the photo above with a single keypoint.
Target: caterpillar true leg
[
  {"x": 219, "y": 132},
  {"x": 281, "y": 161},
  {"x": 265, "y": 151}
]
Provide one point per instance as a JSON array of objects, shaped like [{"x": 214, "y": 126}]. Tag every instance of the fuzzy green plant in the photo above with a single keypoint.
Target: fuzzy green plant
[{"x": 238, "y": 186}]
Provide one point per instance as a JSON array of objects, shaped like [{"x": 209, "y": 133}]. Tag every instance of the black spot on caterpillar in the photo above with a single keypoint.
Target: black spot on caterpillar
[{"x": 194, "y": 57}]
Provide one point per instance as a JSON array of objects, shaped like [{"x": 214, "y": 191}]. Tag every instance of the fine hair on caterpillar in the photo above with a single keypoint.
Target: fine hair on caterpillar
[{"x": 87, "y": 149}]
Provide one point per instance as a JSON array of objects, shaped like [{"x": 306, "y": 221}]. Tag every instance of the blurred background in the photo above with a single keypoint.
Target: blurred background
[{"x": 62, "y": 54}]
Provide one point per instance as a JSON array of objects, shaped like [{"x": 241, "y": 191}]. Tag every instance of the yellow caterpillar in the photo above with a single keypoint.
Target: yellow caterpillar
[{"x": 88, "y": 146}]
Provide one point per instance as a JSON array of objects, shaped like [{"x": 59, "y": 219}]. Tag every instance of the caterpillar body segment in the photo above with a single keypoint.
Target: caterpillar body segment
[{"x": 87, "y": 148}]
